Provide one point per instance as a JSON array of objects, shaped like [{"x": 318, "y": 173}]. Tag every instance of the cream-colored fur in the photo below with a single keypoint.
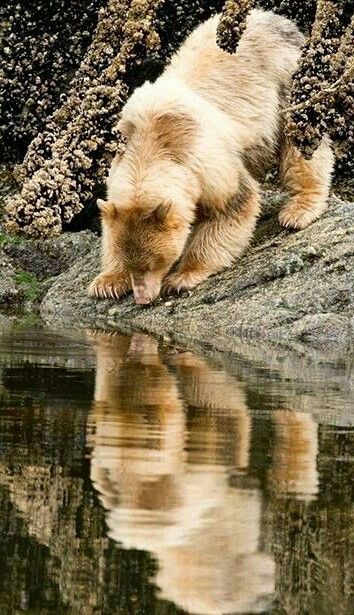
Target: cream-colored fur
[{"x": 197, "y": 138}]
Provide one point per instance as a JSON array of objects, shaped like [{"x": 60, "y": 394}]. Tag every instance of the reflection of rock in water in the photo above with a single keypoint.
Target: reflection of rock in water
[
  {"x": 160, "y": 463},
  {"x": 52, "y": 531}
]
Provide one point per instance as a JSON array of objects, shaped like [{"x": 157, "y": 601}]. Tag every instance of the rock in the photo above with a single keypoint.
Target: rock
[
  {"x": 290, "y": 288},
  {"x": 5, "y": 323},
  {"x": 51, "y": 257},
  {"x": 10, "y": 293},
  {"x": 28, "y": 267},
  {"x": 323, "y": 329}
]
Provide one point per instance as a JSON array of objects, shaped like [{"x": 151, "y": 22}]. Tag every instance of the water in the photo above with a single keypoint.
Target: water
[{"x": 136, "y": 478}]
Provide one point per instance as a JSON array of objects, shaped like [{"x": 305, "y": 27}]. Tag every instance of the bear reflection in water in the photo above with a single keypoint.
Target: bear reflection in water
[{"x": 167, "y": 433}]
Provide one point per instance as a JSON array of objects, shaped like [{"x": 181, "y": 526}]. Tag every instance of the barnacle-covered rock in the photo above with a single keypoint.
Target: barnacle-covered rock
[
  {"x": 315, "y": 84},
  {"x": 232, "y": 23},
  {"x": 65, "y": 163},
  {"x": 343, "y": 111},
  {"x": 176, "y": 18},
  {"x": 42, "y": 45}
]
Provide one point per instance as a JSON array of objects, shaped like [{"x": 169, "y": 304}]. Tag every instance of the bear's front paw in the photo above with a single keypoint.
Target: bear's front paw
[
  {"x": 109, "y": 286},
  {"x": 182, "y": 281}
]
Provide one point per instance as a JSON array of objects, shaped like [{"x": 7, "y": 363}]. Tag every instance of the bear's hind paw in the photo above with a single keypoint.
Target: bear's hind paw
[{"x": 299, "y": 213}]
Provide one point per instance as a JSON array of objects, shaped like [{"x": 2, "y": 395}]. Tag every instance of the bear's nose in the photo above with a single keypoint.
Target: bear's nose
[{"x": 141, "y": 296}]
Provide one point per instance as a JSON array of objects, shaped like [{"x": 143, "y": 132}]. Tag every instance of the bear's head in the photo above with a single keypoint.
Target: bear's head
[{"x": 148, "y": 241}]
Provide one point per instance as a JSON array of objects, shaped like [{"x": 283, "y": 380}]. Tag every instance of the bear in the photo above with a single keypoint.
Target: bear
[{"x": 183, "y": 200}]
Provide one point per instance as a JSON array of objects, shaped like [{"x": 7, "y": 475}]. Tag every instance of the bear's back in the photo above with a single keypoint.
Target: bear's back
[{"x": 267, "y": 52}]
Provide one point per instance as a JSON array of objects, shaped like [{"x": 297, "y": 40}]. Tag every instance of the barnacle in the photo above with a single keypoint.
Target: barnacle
[
  {"x": 232, "y": 23},
  {"x": 316, "y": 103}
]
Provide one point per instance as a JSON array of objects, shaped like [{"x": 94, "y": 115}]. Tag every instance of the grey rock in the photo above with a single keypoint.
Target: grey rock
[
  {"x": 27, "y": 267},
  {"x": 50, "y": 257},
  {"x": 10, "y": 292},
  {"x": 289, "y": 288}
]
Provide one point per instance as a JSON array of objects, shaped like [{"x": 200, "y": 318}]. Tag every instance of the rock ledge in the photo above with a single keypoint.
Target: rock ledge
[{"x": 289, "y": 288}]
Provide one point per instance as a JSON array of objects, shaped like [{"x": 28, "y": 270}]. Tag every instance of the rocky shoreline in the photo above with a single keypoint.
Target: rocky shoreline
[{"x": 289, "y": 289}]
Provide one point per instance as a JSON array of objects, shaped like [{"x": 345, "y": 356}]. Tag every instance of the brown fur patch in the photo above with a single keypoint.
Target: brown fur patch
[
  {"x": 238, "y": 204},
  {"x": 107, "y": 209},
  {"x": 174, "y": 133},
  {"x": 259, "y": 158},
  {"x": 126, "y": 127}
]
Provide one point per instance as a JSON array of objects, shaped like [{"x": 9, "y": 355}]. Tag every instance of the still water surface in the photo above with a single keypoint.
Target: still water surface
[{"x": 136, "y": 478}]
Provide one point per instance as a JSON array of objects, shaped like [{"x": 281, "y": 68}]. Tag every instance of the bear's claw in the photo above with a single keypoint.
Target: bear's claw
[
  {"x": 109, "y": 286},
  {"x": 179, "y": 282},
  {"x": 298, "y": 214}
]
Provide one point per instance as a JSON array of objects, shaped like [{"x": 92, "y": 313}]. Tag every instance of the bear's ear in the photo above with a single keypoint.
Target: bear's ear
[
  {"x": 126, "y": 127},
  {"x": 107, "y": 208}
]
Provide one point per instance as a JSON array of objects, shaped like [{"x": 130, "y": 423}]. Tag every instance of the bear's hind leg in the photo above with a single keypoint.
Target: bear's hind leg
[
  {"x": 308, "y": 182},
  {"x": 217, "y": 240}
]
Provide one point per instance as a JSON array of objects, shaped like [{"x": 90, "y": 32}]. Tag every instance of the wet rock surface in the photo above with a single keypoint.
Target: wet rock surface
[
  {"x": 289, "y": 288},
  {"x": 27, "y": 268},
  {"x": 10, "y": 292},
  {"x": 46, "y": 259}
]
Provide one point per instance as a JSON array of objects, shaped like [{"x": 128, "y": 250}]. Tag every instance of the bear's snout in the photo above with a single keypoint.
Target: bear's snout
[
  {"x": 146, "y": 288},
  {"x": 141, "y": 296}
]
